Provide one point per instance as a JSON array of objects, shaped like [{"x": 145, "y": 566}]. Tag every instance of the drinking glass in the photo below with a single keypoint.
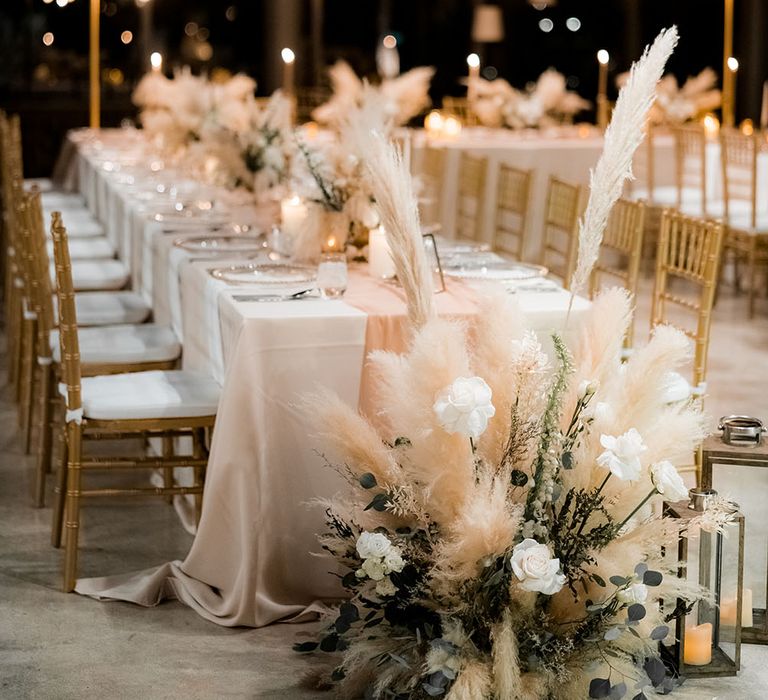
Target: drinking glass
[{"x": 332, "y": 275}]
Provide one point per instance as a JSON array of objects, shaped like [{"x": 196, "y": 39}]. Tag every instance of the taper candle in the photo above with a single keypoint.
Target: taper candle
[
  {"x": 288, "y": 64},
  {"x": 764, "y": 107},
  {"x": 602, "y": 88},
  {"x": 733, "y": 67},
  {"x": 473, "y": 62}
]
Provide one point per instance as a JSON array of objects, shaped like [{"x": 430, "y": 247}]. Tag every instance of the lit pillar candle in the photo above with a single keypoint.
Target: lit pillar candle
[
  {"x": 156, "y": 60},
  {"x": 379, "y": 256},
  {"x": 728, "y": 610},
  {"x": 473, "y": 63},
  {"x": 602, "y": 88},
  {"x": 730, "y": 113},
  {"x": 293, "y": 214},
  {"x": 698, "y": 645},
  {"x": 764, "y": 107},
  {"x": 289, "y": 59},
  {"x": 711, "y": 126}
]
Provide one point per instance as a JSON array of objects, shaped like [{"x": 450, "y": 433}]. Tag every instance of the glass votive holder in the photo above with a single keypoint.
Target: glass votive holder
[{"x": 332, "y": 275}]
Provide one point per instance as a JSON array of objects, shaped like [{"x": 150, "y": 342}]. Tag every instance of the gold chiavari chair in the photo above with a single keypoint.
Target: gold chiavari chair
[
  {"x": 470, "y": 197},
  {"x": 561, "y": 223},
  {"x": 691, "y": 168},
  {"x": 621, "y": 250},
  {"x": 460, "y": 107},
  {"x": 168, "y": 404},
  {"x": 689, "y": 251},
  {"x": 747, "y": 233},
  {"x": 430, "y": 174},
  {"x": 104, "y": 350},
  {"x": 512, "y": 201}
]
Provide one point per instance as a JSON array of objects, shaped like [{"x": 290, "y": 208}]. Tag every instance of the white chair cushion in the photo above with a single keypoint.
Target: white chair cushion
[
  {"x": 666, "y": 196},
  {"x": 123, "y": 344},
  {"x": 90, "y": 275},
  {"x": 44, "y": 184},
  {"x": 172, "y": 394},
  {"x": 90, "y": 248},
  {"x": 80, "y": 223},
  {"x": 109, "y": 308},
  {"x": 61, "y": 200}
]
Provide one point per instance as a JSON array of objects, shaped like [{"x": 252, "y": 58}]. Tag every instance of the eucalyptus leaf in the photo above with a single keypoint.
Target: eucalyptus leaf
[
  {"x": 655, "y": 670},
  {"x": 599, "y": 688},
  {"x": 619, "y": 580},
  {"x": 329, "y": 643},
  {"x": 432, "y": 691},
  {"x": 567, "y": 460},
  {"x": 599, "y": 580},
  {"x": 367, "y": 480},
  {"x": 652, "y": 578},
  {"x": 518, "y": 477},
  {"x": 612, "y": 634},
  {"x": 618, "y": 691},
  {"x": 659, "y": 632},
  {"x": 304, "y": 647},
  {"x": 641, "y": 568},
  {"x": 379, "y": 502},
  {"x": 636, "y": 611},
  {"x": 402, "y": 442}
]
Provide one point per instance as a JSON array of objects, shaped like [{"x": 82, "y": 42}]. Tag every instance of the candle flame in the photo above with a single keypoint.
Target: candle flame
[
  {"x": 603, "y": 57},
  {"x": 733, "y": 64},
  {"x": 287, "y": 55},
  {"x": 473, "y": 60},
  {"x": 156, "y": 59}
]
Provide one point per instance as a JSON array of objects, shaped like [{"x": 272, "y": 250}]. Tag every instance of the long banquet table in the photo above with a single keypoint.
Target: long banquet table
[{"x": 253, "y": 559}]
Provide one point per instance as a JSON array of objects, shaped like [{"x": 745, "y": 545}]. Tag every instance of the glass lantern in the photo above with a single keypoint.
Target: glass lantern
[
  {"x": 707, "y": 639},
  {"x": 737, "y": 460}
]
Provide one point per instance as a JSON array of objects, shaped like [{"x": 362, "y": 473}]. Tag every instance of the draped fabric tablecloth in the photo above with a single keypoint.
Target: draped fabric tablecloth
[{"x": 254, "y": 557}]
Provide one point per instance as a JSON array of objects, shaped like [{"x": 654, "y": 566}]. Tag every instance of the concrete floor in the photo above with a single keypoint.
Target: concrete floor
[{"x": 60, "y": 647}]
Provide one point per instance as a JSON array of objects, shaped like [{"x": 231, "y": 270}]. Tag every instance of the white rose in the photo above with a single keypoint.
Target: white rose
[
  {"x": 386, "y": 587},
  {"x": 634, "y": 593},
  {"x": 534, "y": 566},
  {"x": 465, "y": 407},
  {"x": 372, "y": 544},
  {"x": 622, "y": 454},
  {"x": 393, "y": 561},
  {"x": 374, "y": 568},
  {"x": 668, "y": 482}
]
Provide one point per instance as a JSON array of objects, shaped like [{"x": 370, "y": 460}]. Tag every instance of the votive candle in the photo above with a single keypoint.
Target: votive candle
[
  {"x": 698, "y": 645},
  {"x": 293, "y": 214}
]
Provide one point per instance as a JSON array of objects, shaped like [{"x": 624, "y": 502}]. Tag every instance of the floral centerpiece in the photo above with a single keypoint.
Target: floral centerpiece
[
  {"x": 498, "y": 531},
  {"x": 402, "y": 98},
  {"x": 217, "y": 129},
  {"x": 677, "y": 104},
  {"x": 546, "y": 103}
]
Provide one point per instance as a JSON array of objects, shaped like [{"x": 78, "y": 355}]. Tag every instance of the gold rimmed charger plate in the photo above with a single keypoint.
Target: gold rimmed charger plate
[{"x": 266, "y": 273}]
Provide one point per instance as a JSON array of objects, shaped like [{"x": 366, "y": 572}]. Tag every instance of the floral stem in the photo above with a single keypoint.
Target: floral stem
[
  {"x": 639, "y": 506},
  {"x": 472, "y": 445}
]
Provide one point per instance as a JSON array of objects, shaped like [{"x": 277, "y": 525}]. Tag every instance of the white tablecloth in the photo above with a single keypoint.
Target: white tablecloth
[{"x": 251, "y": 562}]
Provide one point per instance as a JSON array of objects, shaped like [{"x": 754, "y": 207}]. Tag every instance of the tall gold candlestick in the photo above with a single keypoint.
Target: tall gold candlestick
[
  {"x": 94, "y": 69},
  {"x": 764, "y": 107},
  {"x": 602, "y": 88},
  {"x": 473, "y": 63},
  {"x": 733, "y": 67},
  {"x": 728, "y": 116}
]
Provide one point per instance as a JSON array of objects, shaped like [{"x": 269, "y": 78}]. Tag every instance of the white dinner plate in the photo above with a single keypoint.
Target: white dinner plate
[
  {"x": 221, "y": 244},
  {"x": 266, "y": 273},
  {"x": 496, "y": 271}
]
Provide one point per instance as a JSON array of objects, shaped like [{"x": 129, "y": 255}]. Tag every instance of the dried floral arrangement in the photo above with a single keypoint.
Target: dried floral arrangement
[
  {"x": 217, "y": 130},
  {"x": 498, "y": 531},
  {"x": 676, "y": 104},
  {"x": 546, "y": 103},
  {"x": 402, "y": 98}
]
